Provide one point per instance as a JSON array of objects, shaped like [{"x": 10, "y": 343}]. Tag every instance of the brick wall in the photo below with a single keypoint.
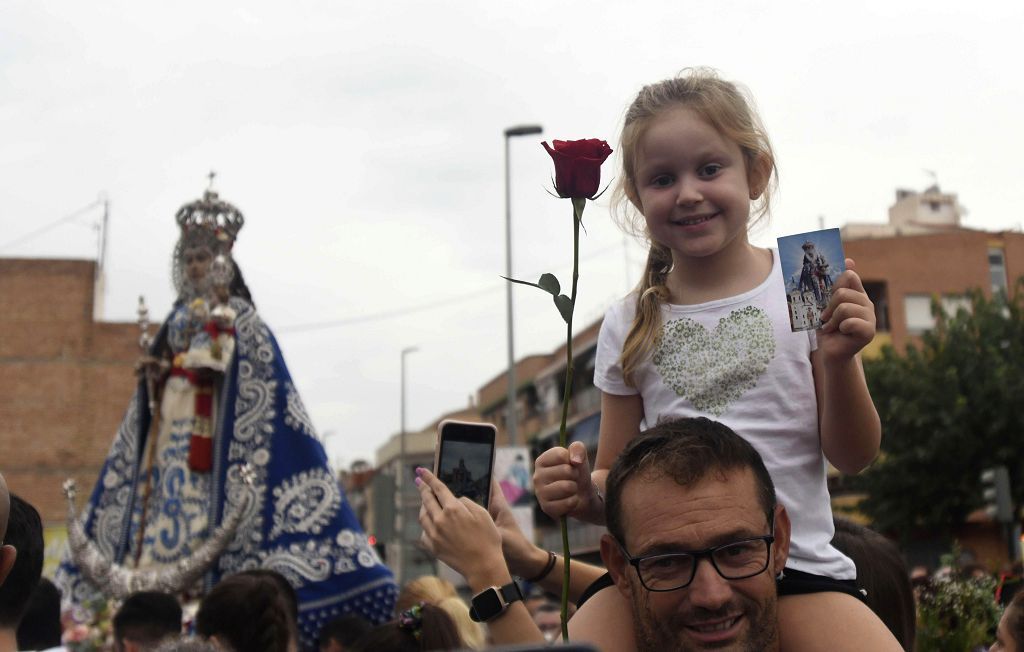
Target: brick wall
[
  {"x": 941, "y": 263},
  {"x": 65, "y": 380}
]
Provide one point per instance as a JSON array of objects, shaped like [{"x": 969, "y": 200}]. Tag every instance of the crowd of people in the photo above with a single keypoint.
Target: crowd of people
[
  {"x": 688, "y": 485},
  {"x": 712, "y": 448}
]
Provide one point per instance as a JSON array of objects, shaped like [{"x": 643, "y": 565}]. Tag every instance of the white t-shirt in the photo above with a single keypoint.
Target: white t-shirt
[{"x": 737, "y": 361}]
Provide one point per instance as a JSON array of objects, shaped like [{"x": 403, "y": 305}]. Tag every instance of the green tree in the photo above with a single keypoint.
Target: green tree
[{"x": 951, "y": 406}]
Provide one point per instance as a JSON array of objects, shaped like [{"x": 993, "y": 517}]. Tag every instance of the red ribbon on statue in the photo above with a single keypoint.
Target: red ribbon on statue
[
  {"x": 213, "y": 329},
  {"x": 200, "y": 448}
]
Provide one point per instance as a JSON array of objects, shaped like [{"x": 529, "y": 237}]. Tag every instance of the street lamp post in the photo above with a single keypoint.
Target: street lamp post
[
  {"x": 510, "y": 418},
  {"x": 400, "y": 512}
]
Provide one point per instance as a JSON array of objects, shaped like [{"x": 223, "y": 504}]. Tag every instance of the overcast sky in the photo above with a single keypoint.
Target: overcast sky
[{"x": 363, "y": 142}]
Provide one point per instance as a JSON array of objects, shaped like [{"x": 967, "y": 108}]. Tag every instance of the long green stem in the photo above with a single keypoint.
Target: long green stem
[{"x": 577, "y": 215}]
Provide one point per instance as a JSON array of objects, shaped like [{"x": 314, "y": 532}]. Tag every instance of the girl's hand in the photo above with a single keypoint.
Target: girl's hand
[
  {"x": 562, "y": 481},
  {"x": 457, "y": 531},
  {"x": 848, "y": 323}
]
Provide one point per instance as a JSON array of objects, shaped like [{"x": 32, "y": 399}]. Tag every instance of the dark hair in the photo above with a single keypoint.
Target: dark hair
[
  {"x": 247, "y": 612},
  {"x": 40, "y": 628},
  {"x": 882, "y": 572},
  {"x": 686, "y": 450},
  {"x": 345, "y": 629},
  {"x": 437, "y": 631},
  {"x": 286, "y": 588},
  {"x": 25, "y": 533},
  {"x": 147, "y": 617}
]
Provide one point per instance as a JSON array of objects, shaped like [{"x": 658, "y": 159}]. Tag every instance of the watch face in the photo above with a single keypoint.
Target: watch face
[{"x": 487, "y": 604}]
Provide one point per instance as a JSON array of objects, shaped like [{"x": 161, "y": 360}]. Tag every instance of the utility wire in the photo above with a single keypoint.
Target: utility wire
[
  {"x": 52, "y": 225},
  {"x": 423, "y": 307}
]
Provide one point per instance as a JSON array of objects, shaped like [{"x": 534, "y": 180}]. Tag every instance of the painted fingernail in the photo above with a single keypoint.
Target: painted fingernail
[
  {"x": 419, "y": 471},
  {"x": 418, "y": 480}
]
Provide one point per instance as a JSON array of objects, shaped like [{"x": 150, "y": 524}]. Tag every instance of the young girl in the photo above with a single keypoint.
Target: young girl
[{"x": 707, "y": 333}]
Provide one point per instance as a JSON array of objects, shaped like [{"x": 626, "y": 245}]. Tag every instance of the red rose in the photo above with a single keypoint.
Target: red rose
[{"x": 578, "y": 166}]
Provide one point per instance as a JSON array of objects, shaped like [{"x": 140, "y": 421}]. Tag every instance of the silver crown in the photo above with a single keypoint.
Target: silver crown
[{"x": 210, "y": 215}]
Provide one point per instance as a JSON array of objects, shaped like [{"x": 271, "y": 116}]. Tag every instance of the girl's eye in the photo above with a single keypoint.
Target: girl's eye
[
  {"x": 661, "y": 181},
  {"x": 710, "y": 169}
]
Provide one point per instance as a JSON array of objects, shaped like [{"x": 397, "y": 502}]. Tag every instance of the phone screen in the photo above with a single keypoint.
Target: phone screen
[{"x": 465, "y": 459}]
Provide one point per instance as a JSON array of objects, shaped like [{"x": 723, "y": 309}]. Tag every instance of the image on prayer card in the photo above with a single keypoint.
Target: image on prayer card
[{"x": 811, "y": 263}]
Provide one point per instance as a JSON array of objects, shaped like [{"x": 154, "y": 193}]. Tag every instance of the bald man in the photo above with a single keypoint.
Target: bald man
[{"x": 7, "y": 553}]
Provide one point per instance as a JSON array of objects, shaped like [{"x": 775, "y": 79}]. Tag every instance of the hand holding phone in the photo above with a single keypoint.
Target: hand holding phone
[{"x": 464, "y": 458}]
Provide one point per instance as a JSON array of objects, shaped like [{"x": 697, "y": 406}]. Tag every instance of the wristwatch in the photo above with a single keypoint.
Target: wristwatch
[{"x": 493, "y": 601}]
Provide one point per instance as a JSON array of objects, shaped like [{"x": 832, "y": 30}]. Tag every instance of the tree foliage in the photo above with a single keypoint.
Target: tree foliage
[{"x": 951, "y": 406}]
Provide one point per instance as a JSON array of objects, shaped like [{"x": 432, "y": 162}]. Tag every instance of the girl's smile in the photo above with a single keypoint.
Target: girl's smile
[{"x": 692, "y": 186}]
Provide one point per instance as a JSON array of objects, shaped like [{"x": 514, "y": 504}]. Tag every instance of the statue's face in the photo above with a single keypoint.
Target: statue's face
[{"x": 196, "y": 262}]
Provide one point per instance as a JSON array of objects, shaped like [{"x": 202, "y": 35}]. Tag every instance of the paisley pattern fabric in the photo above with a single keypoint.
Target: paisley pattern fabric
[{"x": 299, "y": 522}]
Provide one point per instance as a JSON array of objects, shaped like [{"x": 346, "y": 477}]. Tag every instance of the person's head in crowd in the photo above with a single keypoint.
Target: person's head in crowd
[
  {"x": 471, "y": 632},
  {"x": 247, "y": 612},
  {"x": 7, "y": 551},
  {"x": 427, "y": 588},
  {"x": 40, "y": 627},
  {"x": 418, "y": 629},
  {"x": 882, "y": 573},
  {"x": 1010, "y": 633},
  {"x": 25, "y": 533},
  {"x": 695, "y": 490},
  {"x": 548, "y": 617},
  {"x": 920, "y": 580},
  {"x": 144, "y": 620},
  {"x": 287, "y": 590},
  {"x": 339, "y": 634},
  {"x": 974, "y": 570}
]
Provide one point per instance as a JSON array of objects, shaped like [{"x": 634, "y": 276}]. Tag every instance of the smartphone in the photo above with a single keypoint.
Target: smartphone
[{"x": 464, "y": 458}]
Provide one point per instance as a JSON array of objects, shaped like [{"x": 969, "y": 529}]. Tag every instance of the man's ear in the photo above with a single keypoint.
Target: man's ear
[
  {"x": 780, "y": 549},
  {"x": 758, "y": 175},
  {"x": 7, "y": 556},
  {"x": 616, "y": 563}
]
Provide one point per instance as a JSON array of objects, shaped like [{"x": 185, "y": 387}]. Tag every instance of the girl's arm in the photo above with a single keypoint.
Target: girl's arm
[
  {"x": 620, "y": 424},
  {"x": 851, "y": 432}
]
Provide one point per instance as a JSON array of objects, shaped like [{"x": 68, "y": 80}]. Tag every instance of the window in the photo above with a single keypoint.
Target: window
[
  {"x": 997, "y": 269},
  {"x": 919, "y": 310},
  {"x": 878, "y": 292}
]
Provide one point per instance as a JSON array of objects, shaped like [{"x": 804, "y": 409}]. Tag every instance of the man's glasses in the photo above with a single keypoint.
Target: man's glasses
[{"x": 736, "y": 560}]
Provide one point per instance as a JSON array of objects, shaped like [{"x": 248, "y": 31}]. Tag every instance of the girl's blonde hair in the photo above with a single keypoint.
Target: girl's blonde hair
[
  {"x": 728, "y": 108},
  {"x": 472, "y": 632},
  {"x": 427, "y": 588}
]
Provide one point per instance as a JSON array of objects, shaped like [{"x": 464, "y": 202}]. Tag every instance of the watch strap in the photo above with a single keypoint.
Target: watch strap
[{"x": 482, "y": 606}]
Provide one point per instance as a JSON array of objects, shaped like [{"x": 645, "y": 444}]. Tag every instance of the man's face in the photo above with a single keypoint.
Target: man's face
[{"x": 659, "y": 517}]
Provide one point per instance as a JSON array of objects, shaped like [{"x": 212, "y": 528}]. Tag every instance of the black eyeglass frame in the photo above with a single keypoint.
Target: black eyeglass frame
[{"x": 708, "y": 553}]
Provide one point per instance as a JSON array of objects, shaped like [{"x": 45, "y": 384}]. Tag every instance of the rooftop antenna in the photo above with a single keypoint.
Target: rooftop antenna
[
  {"x": 211, "y": 176},
  {"x": 933, "y": 175}
]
